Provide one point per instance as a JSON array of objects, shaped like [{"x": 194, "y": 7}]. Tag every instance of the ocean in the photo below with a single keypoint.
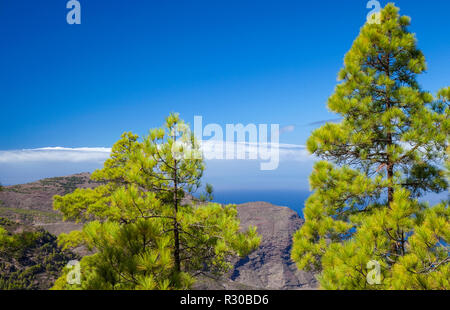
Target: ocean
[
  {"x": 286, "y": 198},
  {"x": 291, "y": 198}
]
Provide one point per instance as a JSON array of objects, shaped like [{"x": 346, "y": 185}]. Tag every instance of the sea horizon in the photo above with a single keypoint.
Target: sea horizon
[{"x": 293, "y": 199}]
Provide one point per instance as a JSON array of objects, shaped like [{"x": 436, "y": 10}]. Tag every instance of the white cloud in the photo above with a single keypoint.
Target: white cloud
[
  {"x": 213, "y": 149},
  {"x": 100, "y": 154},
  {"x": 285, "y": 129},
  {"x": 56, "y": 154}
]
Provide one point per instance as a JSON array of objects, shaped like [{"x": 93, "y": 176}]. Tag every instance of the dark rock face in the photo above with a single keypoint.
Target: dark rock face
[{"x": 270, "y": 267}]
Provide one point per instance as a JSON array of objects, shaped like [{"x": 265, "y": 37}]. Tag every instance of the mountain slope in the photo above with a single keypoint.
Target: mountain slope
[
  {"x": 31, "y": 203},
  {"x": 29, "y": 258},
  {"x": 269, "y": 267}
]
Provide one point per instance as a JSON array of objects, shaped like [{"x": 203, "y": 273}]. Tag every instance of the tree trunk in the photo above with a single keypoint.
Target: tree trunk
[
  {"x": 390, "y": 175},
  {"x": 175, "y": 222},
  {"x": 390, "y": 164}
]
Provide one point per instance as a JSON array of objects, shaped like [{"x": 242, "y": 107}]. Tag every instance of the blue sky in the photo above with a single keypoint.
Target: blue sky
[{"x": 130, "y": 63}]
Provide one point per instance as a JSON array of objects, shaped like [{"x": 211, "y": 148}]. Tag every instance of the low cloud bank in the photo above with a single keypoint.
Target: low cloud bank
[
  {"x": 27, "y": 165},
  {"x": 56, "y": 154},
  {"x": 100, "y": 154}
]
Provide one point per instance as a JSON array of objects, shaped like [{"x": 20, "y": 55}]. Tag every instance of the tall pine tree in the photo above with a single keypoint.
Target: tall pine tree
[
  {"x": 145, "y": 230},
  {"x": 389, "y": 150}
]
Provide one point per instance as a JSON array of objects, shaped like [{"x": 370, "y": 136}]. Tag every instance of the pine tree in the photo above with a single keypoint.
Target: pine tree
[
  {"x": 147, "y": 231},
  {"x": 388, "y": 151}
]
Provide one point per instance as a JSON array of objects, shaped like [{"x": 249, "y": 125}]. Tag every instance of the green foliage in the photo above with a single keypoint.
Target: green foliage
[
  {"x": 29, "y": 215},
  {"x": 146, "y": 231},
  {"x": 5, "y": 222},
  {"x": 208, "y": 194},
  {"x": 389, "y": 150},
  {"x": 28, "y": 256},
  {"x": 68, "y": 184}
]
